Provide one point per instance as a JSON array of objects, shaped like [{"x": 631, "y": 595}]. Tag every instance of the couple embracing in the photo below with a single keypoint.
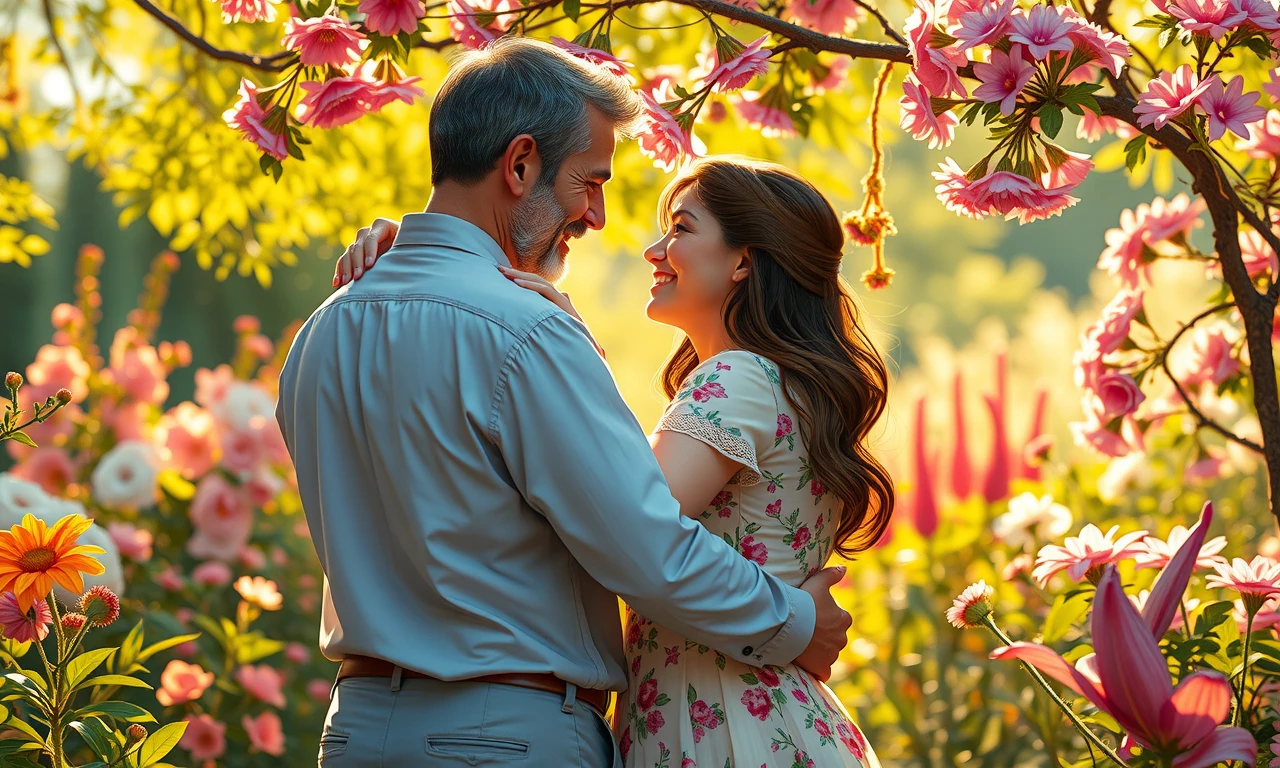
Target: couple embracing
[{"x": 479, "y": 495}]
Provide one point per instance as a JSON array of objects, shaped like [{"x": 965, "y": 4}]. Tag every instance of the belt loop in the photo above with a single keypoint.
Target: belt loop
[
  {"x": 570, "y": 698},
  {"x": 396, "y": 674}
]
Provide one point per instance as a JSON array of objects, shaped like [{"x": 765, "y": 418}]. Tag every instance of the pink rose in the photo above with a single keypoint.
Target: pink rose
[
  {"x": 205, "y": 738},
  {"x": 1112, "y": 327},
  {"x": 633, "y": 634},
  {"x": 222, "y": 518},
  {"x": 822, "y": 728},
  {"x": 699, "y": 711},
  {"x": 722, "y": 498},
  {"x": 707, "y": 391},
  {"x": 181, "y": 682},
  {"x": 1118, "y": 394},
  {"x": 212, "y": 385},
  {"x": 768, "y": 677},
  {"x": 784, "y": 425},
  {"x": 688, "y": 763},
  {"x": 50, "y": 468},
  {"x": 188, "y": 440},
  {"x": 133, "y": 542},
  {"x": 646, "y": 694},
  {"x": 242, "y": 450},
  {"x": 654, "y": 721},
  {"x": 754, "y": 551},
  {"x": 136, "y": 368},
  {"x": 774, "y": 509},
  {"x": 756, "y": 700},
  {"x": 263, "y": 683},
  {"x": 816, "y": 488},
  {"x": 265, "y": 733},
  {"x": 211, "y": 574},
  {"x": 801, "y": 538}
]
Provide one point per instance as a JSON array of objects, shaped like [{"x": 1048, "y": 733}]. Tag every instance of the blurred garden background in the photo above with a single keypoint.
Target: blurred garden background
[{"x": 980, "y": 324}]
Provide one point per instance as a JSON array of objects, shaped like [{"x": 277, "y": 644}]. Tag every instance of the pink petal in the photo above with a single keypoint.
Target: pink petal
[
  {"x": 1134, "y": 674},
  {"x": 1221, "y": 745},
  {"x": 1162, "y": 604},
  {"x": 1053, "y": 665},
  {"x": 1199, "y": 704}
]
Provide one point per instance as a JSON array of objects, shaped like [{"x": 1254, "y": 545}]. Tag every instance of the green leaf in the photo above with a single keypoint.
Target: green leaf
[
  {"x": 97, "y": 736},
  {"x": 82, "y": 665},
  {"x": 1050, "y": 120},
  {"x": 117, "y": 710},
  {"x": 129, "y": 649},
  {"x": 211, "y": 626},
  {"x": 1135, "y": 152},
  {"x": 572, "y": 8},
  {"x": 124, "y": 681},
  {"x": 25, "y": 728},
  {"x": 21, "y": 437},
  {"x": 165, "y": 645},
  {"x": 1064, "y": 614},
  {"x": 160, "y": 743},
  {"x": 25, "y": 687}
]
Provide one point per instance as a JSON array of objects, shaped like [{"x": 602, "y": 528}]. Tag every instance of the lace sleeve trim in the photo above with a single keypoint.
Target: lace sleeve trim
[{"x": 724, "y": 441}]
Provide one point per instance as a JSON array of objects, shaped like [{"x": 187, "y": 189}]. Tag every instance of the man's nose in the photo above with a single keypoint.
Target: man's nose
[{"x": 594, "y": 217}]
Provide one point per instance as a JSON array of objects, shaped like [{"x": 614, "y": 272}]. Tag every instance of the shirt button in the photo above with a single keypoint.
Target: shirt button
[{"x": 747, "y": 651}]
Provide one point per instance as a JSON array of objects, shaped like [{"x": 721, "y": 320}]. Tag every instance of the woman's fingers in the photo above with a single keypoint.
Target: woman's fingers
[{"x": 538, "y": 287}]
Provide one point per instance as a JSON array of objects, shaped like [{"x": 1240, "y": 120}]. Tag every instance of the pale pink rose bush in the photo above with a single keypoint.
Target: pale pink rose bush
[{"x": 191, "y": 497}]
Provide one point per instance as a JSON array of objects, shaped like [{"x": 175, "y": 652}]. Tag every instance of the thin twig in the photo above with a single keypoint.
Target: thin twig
[
  {"x": 884, "y": 23},
  {"x": 62, "y": 53},
  {"x": 274, "y": 63},
  {"x": 1205, "y": 421}
]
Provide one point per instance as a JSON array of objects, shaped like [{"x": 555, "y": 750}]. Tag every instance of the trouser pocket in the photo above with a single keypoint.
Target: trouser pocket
[{"x": 476, "y": 750}]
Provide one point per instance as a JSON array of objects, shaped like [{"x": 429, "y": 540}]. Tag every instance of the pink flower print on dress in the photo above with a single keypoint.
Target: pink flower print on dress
[
  {"x": 800, "y": 696},
  {"x": 852, "y": 739},
  {"x": 768, "y": 677},
  {"x": 707, "y": 391},
  {"x": 673, "y": 656},
  {"x": 624, "y": 743},
  {"x": 822, "y": 728},
  {"x": 774, "y": 509},
  {"x": 654, "y": 721},
  {"x": 754, "y": 551},
  {"x": 688, "y": 763},
  {"x": 757, "y": 702},
  {"x": 635, "y": 666},
  {"x": 647, "y": 694},
  {"x": 784, "y": 425},
  {"x": 722, "y": 367},
  {"x": 633, "y": 636},
  {"x": 801, "y": 538}
]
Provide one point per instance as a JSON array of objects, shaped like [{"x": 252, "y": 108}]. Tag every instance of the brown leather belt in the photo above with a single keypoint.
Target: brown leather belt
[{"x": 367, "y": 666}]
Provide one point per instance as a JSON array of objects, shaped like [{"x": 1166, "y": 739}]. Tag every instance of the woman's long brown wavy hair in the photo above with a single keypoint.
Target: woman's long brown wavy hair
[{"x": 794, "y": 309}]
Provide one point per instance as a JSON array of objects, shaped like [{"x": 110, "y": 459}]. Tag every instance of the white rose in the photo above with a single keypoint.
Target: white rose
[
  {"x": 127, "y": 476},
  {"x": 243, "y": 405},
  {"x": 19, "y": 497},
  {"x": 113, "y": 577}
]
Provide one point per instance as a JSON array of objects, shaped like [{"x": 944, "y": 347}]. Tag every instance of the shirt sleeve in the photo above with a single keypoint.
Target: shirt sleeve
[
  {"x": 579, "y": 457},
  {"x": 729, "y": 403}
]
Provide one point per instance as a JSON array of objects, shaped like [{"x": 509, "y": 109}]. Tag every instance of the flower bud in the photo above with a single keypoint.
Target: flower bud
[
  {"x": 74, "y": 621},
  {"x": 13, "y": 379},
  {"x": 136, "y": 732},
  {"x": 63, "y": 396},
  {"x": 100, "y": 605}
]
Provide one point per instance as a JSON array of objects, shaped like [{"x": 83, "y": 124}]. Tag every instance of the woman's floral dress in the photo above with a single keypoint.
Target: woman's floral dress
[{"x": 688, "y": 706}]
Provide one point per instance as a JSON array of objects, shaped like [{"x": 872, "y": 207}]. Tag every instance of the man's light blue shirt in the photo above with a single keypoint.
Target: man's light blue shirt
[{"x": 478, "y": 491}]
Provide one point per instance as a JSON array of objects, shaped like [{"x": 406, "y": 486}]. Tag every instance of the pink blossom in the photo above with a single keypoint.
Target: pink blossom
[
  {"x": 211, "y": 573},
  {"x": 602, "y": 59},
  {"x": 465, "y": 18},
  {"x": 335, "y": 102},
  {"x": 212, "y": 385},
  {"x": 137, "y": 369},
  {"x": 1264, "y": 137},
  {"x": 1003, "y": 78},
  {"x": 654, "y": 721},
  {"x": 181, "y": 682},
  {"x": 1141, "y": 229},
  {"x": 646, "y": 694},
  {"x": 133, "y": 542},
  {"x": 187, "y": 439},
  {"x": 247, "y": 116},
  {"x": 262, "y": 682},
  {"x": 265, "y": 733},
  {"x": 50, "y": 468},
  {"x": 1168, "y": 96},
  {"x": 984, "y": 24},
  {"x": 390, "y": 17},
  {"x": 242, "y": 450},
  {"x": 1067, "y": 173},
  {"x": 735, "y": 73},
  {"x": 1258, "y": 257},
  {"x": 1092, "y": 126},
  {"x": 1168, "y": 220},
  {"x": 222, "y": 518},
  {"x": 205, "y": 738},
  {"x": 830, "y": 17},
  {"x": 835, "y": 77},
  {"x": 771, "y": 121},
  {"x": 1109, "y": 49},
  {"x": 20, "y": 625},
  {"x": 1102, "y": 436},
  {"x": 935, "y": 69},
  {"x": 248, "y": 10},
  {"x": 1086, "y": 554},
  {"x": 55, "y": 368},
  {"x": 801, "y": 537},
  {"x": 1259, "y": 14},
  {"x": 754, "y": 551},
  {"x": 385, "y": 92},
  {"x": 1002, "y": 193},
  {"x": 661, "y": 137},
  {"x": 1214, "y": 18},
  {"x": 1118, "y": 394},
  {"x": 323, "y": 40},
  {"x": 1207, "y": 468},
  {"x": 1042, "y": 30},
  {"x": 918, "y": 117},
  {"x": 171, "y": 580},
  {"x": 319, "y": 689},
  {"x": 1229, "y": 108},
  {"x": 1207, "y": 355},
  {"x": 128, "y": 420},
  {"x": 757, "y": 702},
  {"x": 1113, "y": 324}
]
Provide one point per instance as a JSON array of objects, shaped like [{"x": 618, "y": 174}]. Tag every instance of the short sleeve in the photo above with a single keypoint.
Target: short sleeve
[{"x": 730, "y": 403}]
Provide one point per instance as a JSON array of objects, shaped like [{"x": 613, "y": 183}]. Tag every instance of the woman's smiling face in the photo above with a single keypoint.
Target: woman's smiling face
[{"x": 693, "y": 268}]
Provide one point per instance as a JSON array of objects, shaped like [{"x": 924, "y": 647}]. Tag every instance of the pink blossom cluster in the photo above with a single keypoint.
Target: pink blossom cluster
[{"x": 1173, "y": 94}]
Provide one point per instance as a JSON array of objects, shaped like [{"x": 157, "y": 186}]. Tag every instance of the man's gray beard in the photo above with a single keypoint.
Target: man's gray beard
[{"x": 532, "y": 222}]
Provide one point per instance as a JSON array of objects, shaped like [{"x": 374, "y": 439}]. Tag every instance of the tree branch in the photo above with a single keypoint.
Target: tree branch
[
  {"x": 62, "y": 53},
  {"x": 276, "y": 62},
  {"x": 1204, "y": 421},
  {"x": 884, "y": 23}
]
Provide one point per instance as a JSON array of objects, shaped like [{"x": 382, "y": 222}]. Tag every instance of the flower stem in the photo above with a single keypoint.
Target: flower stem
[
  {"x": 1085, "y": 731},
  {"x": 1239, "y": 717}
]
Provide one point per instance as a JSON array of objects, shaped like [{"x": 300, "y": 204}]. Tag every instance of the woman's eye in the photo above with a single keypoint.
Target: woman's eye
[{"x": 681, "y": 228}]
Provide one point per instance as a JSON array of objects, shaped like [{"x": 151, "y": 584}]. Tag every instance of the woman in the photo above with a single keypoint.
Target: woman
[{"x": 777, "y": 378}]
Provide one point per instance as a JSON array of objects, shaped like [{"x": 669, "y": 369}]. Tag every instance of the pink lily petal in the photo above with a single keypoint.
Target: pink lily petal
[
  {"x": 1199, "y": 704},
  {"x": 1136, "y": 674},
  {"x": 1223, "y": 744},
  {"x": 1053, "y": 665},
  {"x": 1162, "y": 604}
]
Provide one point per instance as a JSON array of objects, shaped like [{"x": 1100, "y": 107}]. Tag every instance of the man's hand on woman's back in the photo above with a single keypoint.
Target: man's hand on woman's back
[{"x": 831, "y": 625}]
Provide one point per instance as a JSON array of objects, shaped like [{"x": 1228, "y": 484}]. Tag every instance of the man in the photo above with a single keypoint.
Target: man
[{"x": 476, "y": 488}]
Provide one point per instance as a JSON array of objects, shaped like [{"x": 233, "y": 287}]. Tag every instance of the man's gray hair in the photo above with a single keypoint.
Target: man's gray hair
[{"x": 517, "y": 86}]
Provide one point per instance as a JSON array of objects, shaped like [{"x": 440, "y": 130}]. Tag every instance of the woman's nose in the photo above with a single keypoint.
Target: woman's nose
[{"x": 656, "y": 252}]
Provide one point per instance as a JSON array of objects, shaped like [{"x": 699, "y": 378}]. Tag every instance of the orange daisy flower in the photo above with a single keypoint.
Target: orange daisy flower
[{"x": 33, "y": 557}]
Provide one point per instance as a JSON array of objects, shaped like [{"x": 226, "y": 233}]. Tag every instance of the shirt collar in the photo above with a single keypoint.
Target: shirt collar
[{"x": 440, "y": 229}]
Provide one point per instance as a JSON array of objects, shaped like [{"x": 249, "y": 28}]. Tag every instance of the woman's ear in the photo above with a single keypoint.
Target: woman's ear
[{"x": 743, "y": 269}]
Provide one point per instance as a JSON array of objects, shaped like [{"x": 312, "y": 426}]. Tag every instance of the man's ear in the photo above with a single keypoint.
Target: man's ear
[
  {"x": 521, "y": 164},
  {"x": 743, "y": 268}
]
